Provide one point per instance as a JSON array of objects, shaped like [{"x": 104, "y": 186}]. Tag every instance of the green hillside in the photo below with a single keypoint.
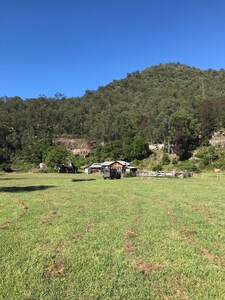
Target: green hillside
[{"x": 171, "y": 103}]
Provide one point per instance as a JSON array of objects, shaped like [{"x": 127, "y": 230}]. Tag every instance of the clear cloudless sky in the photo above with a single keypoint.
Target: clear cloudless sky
[{"x": 69, "y": 46}]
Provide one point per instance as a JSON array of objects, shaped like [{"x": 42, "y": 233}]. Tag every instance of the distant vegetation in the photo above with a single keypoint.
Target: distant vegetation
[{"x": 168, "y": 103}]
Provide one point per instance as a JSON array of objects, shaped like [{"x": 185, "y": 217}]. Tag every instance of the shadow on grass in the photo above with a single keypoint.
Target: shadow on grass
[
  {"x": 18, "y": 189},
  {"x": 12, "y": 178},
  {"x": 89, "y": 179}
]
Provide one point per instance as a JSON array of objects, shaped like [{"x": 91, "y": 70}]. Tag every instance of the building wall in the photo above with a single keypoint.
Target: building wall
[
  {"x": 120, "y": 168},
  {"x": 116, "y": 165}
]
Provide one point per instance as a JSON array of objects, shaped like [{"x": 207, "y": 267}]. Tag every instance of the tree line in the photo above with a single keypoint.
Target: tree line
[{"x": 169, "y": 103}]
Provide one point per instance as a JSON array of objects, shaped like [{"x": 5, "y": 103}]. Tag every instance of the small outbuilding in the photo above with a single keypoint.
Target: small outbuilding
[
  {"x": 131, "y": 171},
  {"x": 122, "y": 167},
  {"x": 94, "y": 168},
  {"x": 118, "y": 165}
]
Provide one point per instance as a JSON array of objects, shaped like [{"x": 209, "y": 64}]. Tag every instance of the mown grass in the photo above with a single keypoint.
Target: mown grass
[{"x": 132, "y": 238}]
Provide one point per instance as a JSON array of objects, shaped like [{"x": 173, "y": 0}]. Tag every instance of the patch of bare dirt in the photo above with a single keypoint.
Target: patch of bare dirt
[
  {"x": 78, "y": 237},
  {"x": 187, "y": 231},
  {"x": 20, "y": 204},
  {"x": 58, "y": 268},
  {"x": 136, "y": 218},
  {"x": 197, "y": 208},
  {"x": 80, "y": 208},
  {"x": 130, "y": 234},
  {"x": 128, "y": 248},
  {"x": 179, "y": 294},
  {"x": 186, "y": 235},
  {"x": 24, "y": 206},
  {"x": 145, "y": 267},
  {"x": 210, "y": 256},
  {"x": 187, "y": 240},
  {"x": 47, "y": 219},
  {"x": 6, "y": 225},
  {"x": 90, "y": 226}
]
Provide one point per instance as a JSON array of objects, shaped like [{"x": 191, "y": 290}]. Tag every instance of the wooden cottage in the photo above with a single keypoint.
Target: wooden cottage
[
  {"x": 122, "y": 167},
  {"x": 94, "y": 168}
]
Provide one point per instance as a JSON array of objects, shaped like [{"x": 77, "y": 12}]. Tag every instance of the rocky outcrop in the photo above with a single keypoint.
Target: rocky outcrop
[
  {"x": 218, "y": 139},
  {"x": 74, "y": 146}
]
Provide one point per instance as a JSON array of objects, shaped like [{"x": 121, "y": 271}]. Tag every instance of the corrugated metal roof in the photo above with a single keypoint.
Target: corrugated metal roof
[
  {"x": 108, "y": 163},
  {"x": 124, "y": 163},
  {"x": 96, "y": 165}
]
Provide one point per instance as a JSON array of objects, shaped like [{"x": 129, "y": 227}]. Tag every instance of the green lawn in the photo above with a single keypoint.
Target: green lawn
[{"x": 132, "y": 238}]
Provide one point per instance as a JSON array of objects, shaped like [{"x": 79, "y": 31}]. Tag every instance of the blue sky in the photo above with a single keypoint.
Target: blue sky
[{"x": 69, "y": 46}]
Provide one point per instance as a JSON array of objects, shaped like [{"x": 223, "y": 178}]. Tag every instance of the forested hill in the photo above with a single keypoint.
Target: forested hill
[
  {"x": 152, "y": 104},
  {"x": 142, "y": 103}
]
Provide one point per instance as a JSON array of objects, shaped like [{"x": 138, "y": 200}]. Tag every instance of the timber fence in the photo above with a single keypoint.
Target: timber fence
[{"x": 178, "y": 174}]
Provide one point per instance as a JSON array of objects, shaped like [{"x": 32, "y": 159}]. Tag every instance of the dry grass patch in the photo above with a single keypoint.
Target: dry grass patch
[
  {"x": 186, "y": 235},
  {"x": 179, "y": 295},
  {"x": 90, "y": 226},
  {"x": 210, "y": 256},
  {"x": 130, "y": 234},
  {"x": 171, "y": 214},
  {"x": 128, "y": 248},
  {"x": 146, "y": 267},
  {"x": 47, "y": 219},
  {"x": 6, "y": 225},
  {"x": 24, "y": 206},
  {"x": 78, "y": 237},
  {"x": 58, "y": 267}
]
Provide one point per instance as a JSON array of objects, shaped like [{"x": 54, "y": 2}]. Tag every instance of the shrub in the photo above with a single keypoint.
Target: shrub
[
  {"x": 6, "y": 168},
  {"x": 175, "y": 161},
  {"x": 157, "y": 168},
  {"x": 78, "y": 160},
  {"x": 188, "y": 166},
  {"x": 220, "y": 163},
  {"x": 210, "y": 157},
  {"x": 56, "y": 156},
  {"x": 165, "y": 159},
  {"x": 22, "y": 166}
]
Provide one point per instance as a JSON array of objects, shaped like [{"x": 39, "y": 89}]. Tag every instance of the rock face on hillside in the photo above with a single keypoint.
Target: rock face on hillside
[
  {"x": 218, "y": 139},
  {"x": 74, "y": 146}
]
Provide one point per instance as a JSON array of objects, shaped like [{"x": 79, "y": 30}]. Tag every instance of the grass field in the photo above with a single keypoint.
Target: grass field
[{"x": 128, "y": 239}]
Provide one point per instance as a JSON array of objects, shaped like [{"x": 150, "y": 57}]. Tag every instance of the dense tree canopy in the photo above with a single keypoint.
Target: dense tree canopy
[
  {"x": 165, "y": 103},
  {"x": 184, "y": 132},
  {"x": 128, "y": 149}
]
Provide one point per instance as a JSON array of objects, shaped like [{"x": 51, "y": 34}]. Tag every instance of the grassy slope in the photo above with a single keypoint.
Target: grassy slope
[{"x": 123, "y": 239}]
